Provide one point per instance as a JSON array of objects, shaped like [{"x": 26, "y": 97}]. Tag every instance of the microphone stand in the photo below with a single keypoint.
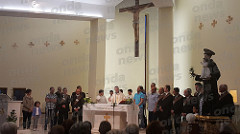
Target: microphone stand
[{"x": 114, "y": 104}]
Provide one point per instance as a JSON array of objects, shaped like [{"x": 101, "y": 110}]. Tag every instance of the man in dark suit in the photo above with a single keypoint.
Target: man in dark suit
[
  {"x": 77, "y": 103},
  {"x": 159, "y": 103},
  {"x": 177, "y": 109},
  {"x": 187, "y": 103},
  {"x": 201, "y": 107},
  {"x": 165, "y": 108},
  {"x": 64, "y": 106},
  {"x": 58, "y": 106},
  {"x": 225, "y": 106}
]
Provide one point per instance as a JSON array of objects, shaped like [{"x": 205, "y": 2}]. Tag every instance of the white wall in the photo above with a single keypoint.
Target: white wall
[
  {"x": 40, "y": 67},
  {"x": 122, "y": 68},
  {"x": 224, "y": 39}
]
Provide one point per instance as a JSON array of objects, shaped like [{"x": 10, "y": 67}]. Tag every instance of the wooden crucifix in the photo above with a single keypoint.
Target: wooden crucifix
[{"x": 136, "y": 10}]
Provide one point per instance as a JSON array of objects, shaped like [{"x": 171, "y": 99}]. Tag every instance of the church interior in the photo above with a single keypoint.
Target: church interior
[{"x": 101, "y": 44}]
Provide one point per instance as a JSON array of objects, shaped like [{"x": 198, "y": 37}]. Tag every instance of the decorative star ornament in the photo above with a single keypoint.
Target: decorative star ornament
[
  {"x": 62, "y": 43},
  {"x": 229, "y": 19},
  {"x": 214, "y": 23},
  {"x": 15, "y": 45},
  {"x": 200, "y": 26},
  {"x": 31, "y": 44},
  {"x": 76, "y": 42},
  {"x": 46, "y": 44}
]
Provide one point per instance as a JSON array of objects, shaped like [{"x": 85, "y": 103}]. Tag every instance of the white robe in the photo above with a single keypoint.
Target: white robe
[{"x": 118, "y": 97}]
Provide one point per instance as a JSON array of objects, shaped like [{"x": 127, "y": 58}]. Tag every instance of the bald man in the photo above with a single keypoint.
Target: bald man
[{"x": 225, "y": 106}]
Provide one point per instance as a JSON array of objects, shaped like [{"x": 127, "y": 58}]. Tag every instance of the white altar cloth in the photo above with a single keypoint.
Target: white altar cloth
[{"x": 119, "y": 116}]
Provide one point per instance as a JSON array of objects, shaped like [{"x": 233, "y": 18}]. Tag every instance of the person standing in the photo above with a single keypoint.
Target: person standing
[
  {"x": 111, "y": 96},
  {"x": 144, "y": 105},
  {"x": 77, "y": 103},
  {"x": 226, "y": 106},
  {"x": 58, "y": 105},
  {"x": 159, "y": 103},
  {"x": 64, "y": 106},
  {"x": 118, "y": 96},
  {"x": 152, "y": 99},
  {"x": 28, "y": 105},
  {"x": 36, "y": 114},
  {"x": 138, "y": 100},
  {"x": 129, "y": 96},
  {"x": 202, "y": 105},
  {"x": 161, "y": 91},
  {"x": 166, "y": 107},
  {"x": 177, "y": 109},
  {"x": 50, "y": 99},
  {"x": 153, "y": 85},
  {"x": 187, "y": 103},
  {"x": 101, "y": 98}
]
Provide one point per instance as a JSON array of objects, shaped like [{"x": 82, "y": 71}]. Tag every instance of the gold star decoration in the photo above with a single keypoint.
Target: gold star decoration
[
  {"x": 15, "y": 45},
  {"x": 214, "y": 23},
  {"x": 229, "y": 19},
  {"x": 76, "y": 42},
  {"x": 31, "y": 44},
  {"x": 62, "y": 43},
  {"x": 46, "y": 44},
  {"x": 200, "y": 26}
]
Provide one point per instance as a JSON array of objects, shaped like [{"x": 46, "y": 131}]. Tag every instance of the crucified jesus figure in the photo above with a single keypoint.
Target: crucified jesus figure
[{"x": 136, "y": 10}]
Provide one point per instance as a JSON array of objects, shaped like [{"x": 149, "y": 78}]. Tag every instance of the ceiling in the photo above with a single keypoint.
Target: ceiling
[
  {"x": 69, "y": 9},
  {"x": 60, "y": 9}
]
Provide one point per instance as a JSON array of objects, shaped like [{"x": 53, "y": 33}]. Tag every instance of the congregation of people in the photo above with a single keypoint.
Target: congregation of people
[{"x": 163, "y": 106}]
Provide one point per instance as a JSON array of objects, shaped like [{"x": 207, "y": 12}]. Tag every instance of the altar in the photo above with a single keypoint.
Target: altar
[{"x": 119, "y": 116}]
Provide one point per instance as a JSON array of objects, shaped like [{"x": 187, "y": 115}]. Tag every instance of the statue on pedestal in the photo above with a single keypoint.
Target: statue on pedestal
[{"x": 210, "y": 75}]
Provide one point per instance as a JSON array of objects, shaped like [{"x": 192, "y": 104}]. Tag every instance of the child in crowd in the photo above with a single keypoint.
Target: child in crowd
[{"x": 36, "y": 114}]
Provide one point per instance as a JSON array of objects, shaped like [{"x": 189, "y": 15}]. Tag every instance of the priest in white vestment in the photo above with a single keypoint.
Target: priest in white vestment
[{"x": 118, "y": 96}]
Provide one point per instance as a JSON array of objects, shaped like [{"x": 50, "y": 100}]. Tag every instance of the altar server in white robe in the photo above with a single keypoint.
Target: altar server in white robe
[
  {"x": 101, "y": 98},
  {"x": 130, "y": 95},
  {"x": 110, "y": 97},
  {"x": 118, "y": 96}
]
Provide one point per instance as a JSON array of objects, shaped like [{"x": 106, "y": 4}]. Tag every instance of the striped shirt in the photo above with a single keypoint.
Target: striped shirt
[{"x": 51, "y": 105}]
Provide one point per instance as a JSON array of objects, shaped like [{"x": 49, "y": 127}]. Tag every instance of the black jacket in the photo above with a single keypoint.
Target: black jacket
[
  {"x": 226, "y": 105},
  {"x": 80, "y": 102},
  {"x": 188, "y": 104},
  {"x": 59, "y": 97},
  {"x": 167, "y": 104},
  {"x": 65, "y": 100},
  {"x": 178, "y": 104}
]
